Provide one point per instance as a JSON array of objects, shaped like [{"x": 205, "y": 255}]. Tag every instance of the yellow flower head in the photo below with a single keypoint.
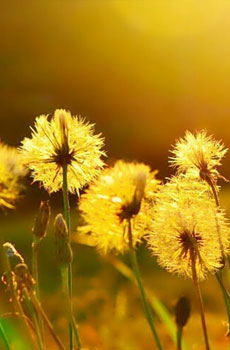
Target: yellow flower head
[
  {"x": 198, "y": 153},
  {"x": 65, "y": 140},
  {"x": 187, "y": 225},
  {"x": 121, "y": 193},
  {"x": 11, "y": 173}
]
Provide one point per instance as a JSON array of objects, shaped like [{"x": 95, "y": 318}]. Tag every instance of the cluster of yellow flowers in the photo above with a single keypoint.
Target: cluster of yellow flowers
[{"x": 179, "y": 219}]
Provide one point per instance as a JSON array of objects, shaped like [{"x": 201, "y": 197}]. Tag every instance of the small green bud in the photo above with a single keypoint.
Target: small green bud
[
  {"x": 41, "y": 220},
  {"x": 182, "y": 311},
  {"x": 63, "y": 247}
]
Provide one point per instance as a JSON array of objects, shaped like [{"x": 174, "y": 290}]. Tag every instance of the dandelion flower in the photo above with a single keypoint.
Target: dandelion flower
[
  {"x": 11, "y": 173},
  {"x": 121, "y": 193},
  {"x": 187, "y": 225},
  {"x": 64, "y": 140},
  {"x": 200, "y": 154}
]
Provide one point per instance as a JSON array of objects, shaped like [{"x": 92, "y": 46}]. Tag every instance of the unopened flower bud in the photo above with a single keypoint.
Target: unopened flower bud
[
  {"x": 131, "y": 209},
  {"x": 14, "y": 256},
  {"x": 41, "y": 220},
  {"x": 182, "y": 311},
  {"x": 63, "y": 247},
  {"x": 23, "y": 279}
]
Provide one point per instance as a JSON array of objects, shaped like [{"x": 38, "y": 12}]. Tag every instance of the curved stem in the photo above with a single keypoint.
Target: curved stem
[
  {"x": 225, "y": 296},
  {"x": 17, "y": 303},
  {"x": 199, "y": 299},
  {"x": 141, "y": 287},
  {"x": 68, "y": 223},
  {"x": 215, "y": 194},
  {"x": 225, "y": 292},
  {"x": 4, "y": 337},
  {"x": 39, "y": 323},
  {"x": 35, "y": 318},
  {"x": 179, "y": 338},
  {"x": 40, "y": 310},
  {"x": 221, "y": 283},
  {"x": 35, "y": 265},
  {"x": 214, "y": 191}
]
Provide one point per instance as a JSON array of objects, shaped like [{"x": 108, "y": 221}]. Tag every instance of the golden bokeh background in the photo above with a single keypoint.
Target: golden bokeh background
[{"x": 144, "y": 72}]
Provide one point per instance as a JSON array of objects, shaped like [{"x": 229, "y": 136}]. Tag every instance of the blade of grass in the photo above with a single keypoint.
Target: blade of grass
[{"x": 3, "y": 335}]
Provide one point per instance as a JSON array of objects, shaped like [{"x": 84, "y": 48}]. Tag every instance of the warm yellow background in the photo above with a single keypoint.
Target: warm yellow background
[{"x": 144, "y": 72}]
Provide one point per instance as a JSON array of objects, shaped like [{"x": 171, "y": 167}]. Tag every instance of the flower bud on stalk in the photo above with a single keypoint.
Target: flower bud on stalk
[
  {"x": 14, "y": 256},
  {"x": 182, "y": 311},
  {"x": 41, "y": 221},
  {"x": 24, "y": 279},
  {"x": 132, "y": 208},
  {"x": 63, "y": 248}
]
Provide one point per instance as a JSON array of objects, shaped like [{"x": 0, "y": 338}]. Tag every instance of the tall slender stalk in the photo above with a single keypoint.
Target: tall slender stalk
[
  {"x": 4, "y": 337},
  {"x": 219, "y": 278},
  {"x": 70, "y": 282},
  {"x": 35, "y": 245},
  {"x": 213, "y": 188},
  {"x": 64, "y": 276},
  {"x": 225, "y": 297},
  {"x": 179, "y": 338},
  {"x": 199, "y": 299},
  {"x": 34, "y": 317},
  {"x": 141, "y": 287},
  {"x": 38, "y": 323},
  {"x": 40, "y": 310}
]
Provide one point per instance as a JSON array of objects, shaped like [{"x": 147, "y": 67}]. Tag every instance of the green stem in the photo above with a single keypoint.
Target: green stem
[
  {"x": 141, "y": 287},
  {"x": 39, "y": 326},
  {"x": 225, "y": 297},
  {"x": 214, "y": 191},
  {"x": 67, "y": 219},
  {"x": 40, "y": 310},
  {"x": 35, "y": 245},
  {"x": 199, "y": 299},
  {"x": 221, "y": 283},
  {"x": 219, "y": 278},
  {"x": 179, "y": 338},
  {"x": 35, "y": 317},
  {"x": 64, "y": 275},
  {"x": 4, "y": 337}
]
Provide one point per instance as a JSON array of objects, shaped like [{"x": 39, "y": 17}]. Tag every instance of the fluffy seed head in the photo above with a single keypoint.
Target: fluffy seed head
[
  {"x": 187, "y": 223},
  {"x": 121, "y": 193},
  {"x": 64, "y": 140},
  {"x": 198, "y": 153}
]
